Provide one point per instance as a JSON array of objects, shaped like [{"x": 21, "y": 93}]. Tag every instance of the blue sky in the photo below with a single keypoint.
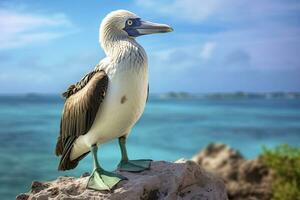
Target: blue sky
[{"x": 216, "y": 46}]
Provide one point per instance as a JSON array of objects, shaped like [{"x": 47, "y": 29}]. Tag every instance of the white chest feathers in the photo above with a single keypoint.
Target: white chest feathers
[
  {"x": 124, "y": 101},
  {"x": 123, "y": 104}
]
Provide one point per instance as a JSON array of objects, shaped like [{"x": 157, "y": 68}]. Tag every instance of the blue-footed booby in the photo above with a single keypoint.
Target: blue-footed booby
[{"x": 107, "y": 102}]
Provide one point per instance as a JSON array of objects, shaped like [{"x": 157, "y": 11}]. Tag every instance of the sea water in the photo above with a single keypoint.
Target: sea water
[{"x": 169, "y": 129}]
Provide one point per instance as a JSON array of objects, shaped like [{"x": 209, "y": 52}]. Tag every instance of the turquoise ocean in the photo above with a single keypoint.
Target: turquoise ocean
[{"x": 169, "y": 129}]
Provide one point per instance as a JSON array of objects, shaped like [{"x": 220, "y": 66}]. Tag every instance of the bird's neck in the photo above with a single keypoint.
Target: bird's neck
[{"x": 122, "y": 48}]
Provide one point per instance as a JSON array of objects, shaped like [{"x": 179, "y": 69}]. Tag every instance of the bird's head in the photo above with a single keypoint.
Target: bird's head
[{"x": 127, "y": 24}]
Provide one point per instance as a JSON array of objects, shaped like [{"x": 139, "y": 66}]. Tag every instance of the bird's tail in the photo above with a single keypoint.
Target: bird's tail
[
  {"x": 65, "y": 151},
  {"x": 59, "y": 146}
]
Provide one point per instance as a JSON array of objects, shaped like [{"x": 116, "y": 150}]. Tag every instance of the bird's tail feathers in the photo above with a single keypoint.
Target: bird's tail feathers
[{"x": 65, "y": 162}]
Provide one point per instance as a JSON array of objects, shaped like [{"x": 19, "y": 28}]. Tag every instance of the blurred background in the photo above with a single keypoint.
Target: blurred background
[{"x": 228, "y": 73}]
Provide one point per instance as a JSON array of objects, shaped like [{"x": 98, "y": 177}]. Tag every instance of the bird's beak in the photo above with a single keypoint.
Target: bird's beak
[{"x": 146, "y": 28}]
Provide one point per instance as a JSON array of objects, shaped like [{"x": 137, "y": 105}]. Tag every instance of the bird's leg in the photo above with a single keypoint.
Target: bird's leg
[
  {"x": 101, "y": 179},
  {"x": 131, "y": 165}
]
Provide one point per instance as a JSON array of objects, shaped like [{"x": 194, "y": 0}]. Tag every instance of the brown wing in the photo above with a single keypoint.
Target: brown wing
[
  {"x": 147, "y": 93},
  {"x": 81, "y": 106}
]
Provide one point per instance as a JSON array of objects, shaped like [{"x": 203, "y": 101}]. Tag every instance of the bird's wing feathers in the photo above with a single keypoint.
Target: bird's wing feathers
[
  {"x": 147, "y": 93},
  {"x": 81, "y": 106}
]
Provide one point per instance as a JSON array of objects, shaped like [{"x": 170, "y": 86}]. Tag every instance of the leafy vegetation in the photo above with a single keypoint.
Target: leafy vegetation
[{"x": 285, "y": 161}]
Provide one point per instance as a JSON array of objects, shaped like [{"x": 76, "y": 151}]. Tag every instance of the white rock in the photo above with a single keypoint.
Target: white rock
[{"x": 182, "y": 180}]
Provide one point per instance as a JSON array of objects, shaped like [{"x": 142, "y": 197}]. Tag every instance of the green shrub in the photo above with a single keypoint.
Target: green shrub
[{"x": 285, "y": 162}]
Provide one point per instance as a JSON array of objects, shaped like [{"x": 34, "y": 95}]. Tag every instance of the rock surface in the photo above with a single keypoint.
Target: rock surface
[
  {"x": 169, "y": 181},
  {"x": 244, "y": 179}
]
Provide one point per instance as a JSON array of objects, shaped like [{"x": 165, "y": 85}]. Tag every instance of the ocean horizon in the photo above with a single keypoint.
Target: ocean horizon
[{"x": 173, "y": 126}]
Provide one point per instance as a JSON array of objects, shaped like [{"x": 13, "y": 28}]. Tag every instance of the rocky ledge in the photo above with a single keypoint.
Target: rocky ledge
[
  {"x": 179, "y": 180},
  {"x": 244, "y": 179}
]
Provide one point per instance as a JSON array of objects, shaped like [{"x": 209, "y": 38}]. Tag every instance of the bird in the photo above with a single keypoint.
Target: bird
[{"x": 107, "y": 102}]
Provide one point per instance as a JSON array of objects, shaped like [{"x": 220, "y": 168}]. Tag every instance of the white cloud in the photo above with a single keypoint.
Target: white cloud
[
  {"x": 192, "y": 10},
  {"x": 25, "y": 73},
  {"x": 268, "y": 48},
  {"x": 180, "y": 58},
  {"x": 207, "y": 50},
  {"x": 20, "y": 28},
  {"x": 232, "y": 10}
]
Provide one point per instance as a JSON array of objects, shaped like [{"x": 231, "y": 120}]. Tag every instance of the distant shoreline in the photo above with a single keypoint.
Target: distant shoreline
[
  {"x": 187, "y": 95},
  {"x": 232, "y": 95}
]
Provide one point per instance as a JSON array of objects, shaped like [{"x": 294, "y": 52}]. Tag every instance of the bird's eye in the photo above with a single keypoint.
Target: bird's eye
[{"x": 129, "y": 22}]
